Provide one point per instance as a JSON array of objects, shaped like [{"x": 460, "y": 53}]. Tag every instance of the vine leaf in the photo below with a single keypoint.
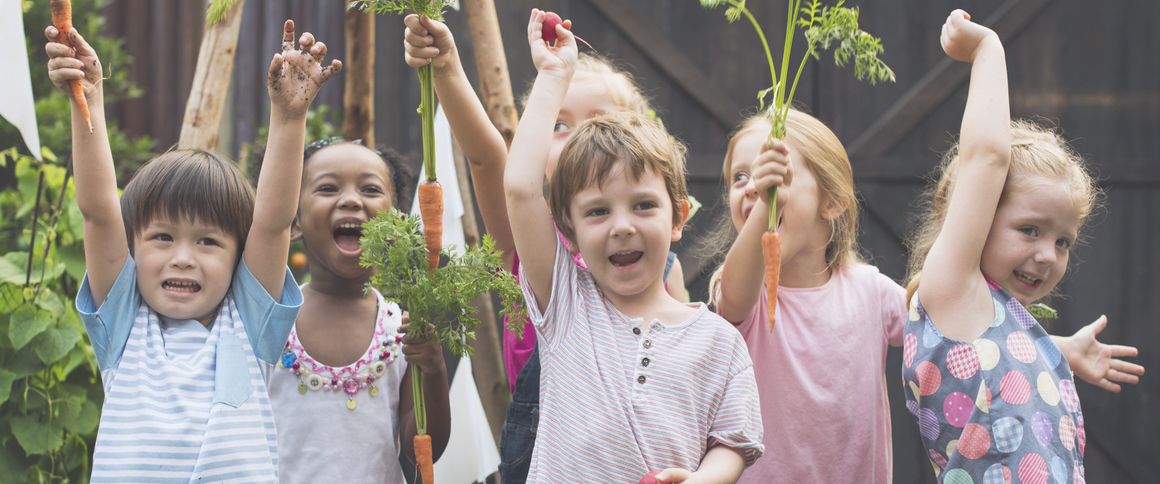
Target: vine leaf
[
  {"x": 26, "y": 323},
  {"x": 36, "y": 437},
  {"x": 51, "y": 346},
  {"x": 6, "y": 379}
]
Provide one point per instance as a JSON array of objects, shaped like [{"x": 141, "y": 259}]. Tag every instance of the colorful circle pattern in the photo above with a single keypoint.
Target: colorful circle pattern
[
  {"x": 909, "y": 345},
  {"x": 997, "y": 474},
  {"x": 1020, "y": 347},
  {"x": 974, "y": 441},
  {"x": 1008, "y": 434},
  {"x": 957, "y": 409},
  {"x": 987, "y": 352},
  {"x": 1014, "y": 389},
  {"x": 962, "y": 362},
  {"x": 1047, "y": 389},
  {"x": 1032, "y": 469},
  {"x": 929, "y": 378}
]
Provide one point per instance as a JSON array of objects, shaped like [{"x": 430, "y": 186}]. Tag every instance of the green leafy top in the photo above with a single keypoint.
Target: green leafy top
[
  {"x": 217, "y": 11},
  {"x": 431, "y": 8},
  {"x": 393, "y": 244},
  {"x": 1042, "y": 311}
]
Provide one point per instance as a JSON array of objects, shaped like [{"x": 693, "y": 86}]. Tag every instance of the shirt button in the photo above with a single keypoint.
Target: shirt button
[
  {"x": 640, "y": 379},
  {"x": 647, "y": 344},
  {"x": 635, "y": 330},
  {"x": 644, "y": 362}
]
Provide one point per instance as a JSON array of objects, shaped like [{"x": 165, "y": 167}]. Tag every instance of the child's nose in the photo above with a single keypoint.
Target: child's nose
[
  {"x": 622, "y": 226},
  {"x": 1046, "y": 254},
  {"x": 183, "y": 256},
  {"x": 350, "y": 200}
]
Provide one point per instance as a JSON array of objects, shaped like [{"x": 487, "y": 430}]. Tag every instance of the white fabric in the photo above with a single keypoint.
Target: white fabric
[
  {"x": 16, "y": 83},
  {"x": 471, "y": 453}
]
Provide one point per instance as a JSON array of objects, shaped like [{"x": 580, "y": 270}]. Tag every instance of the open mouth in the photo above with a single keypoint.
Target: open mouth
[
  {"x": 1026, "y": 279},
  {"x": 180, "y": 285},
  {"x": 627, "y": 258},
  {"x": 347, "y": 235}
]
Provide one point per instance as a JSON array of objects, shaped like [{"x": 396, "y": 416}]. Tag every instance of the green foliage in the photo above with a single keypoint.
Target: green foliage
[
  {"x": 1042, "y": 311},
  {"x": 53, "y": 116},
  {"x": 49, "y": 383},
  {"x": 393, "y": 244},
  {"x": 217, "y": 11},
  {"x": 431, "y": 8}
]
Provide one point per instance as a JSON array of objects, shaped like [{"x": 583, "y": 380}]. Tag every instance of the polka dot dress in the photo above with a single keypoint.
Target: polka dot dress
[{"x": 998, "y": 410}]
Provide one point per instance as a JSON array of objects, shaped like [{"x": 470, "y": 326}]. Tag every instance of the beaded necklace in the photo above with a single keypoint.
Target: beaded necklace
[{"x": 384, "y": 350}]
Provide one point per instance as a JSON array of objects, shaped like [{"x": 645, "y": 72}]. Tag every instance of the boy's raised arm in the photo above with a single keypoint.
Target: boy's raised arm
[
  {"x": 430, "y": 41},
  {"x": 95, "y": 177},
  {"x": 294, "y": 79},
  {"x": 523, "y": 179}
]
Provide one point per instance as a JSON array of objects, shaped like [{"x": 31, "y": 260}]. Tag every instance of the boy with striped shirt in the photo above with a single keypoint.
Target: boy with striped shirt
[
  {"x": 632, "y": 380},
  {"x": 186, "y": 286}
]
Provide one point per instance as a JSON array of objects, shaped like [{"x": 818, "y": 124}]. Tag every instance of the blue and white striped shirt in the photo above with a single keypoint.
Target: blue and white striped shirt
[{"x": 184, "y": 403}]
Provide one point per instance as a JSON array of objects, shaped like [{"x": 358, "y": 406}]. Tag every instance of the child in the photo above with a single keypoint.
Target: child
[
  {"x": 332, "y": 418},
  {"x": 821, "y": 371},
  {"x": 632, "y": 380},
  {"x": 598, "y": 87},
  {"x": 1008, "y": 207},
  {"x": 187, "y": 287}
]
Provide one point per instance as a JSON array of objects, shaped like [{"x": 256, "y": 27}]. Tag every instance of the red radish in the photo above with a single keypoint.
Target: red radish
[
  {"x": 551, "y": 20},
  {"x": 650, "y": 478}
]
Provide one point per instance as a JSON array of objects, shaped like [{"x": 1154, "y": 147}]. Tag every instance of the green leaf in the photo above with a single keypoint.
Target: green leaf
[
  {"x": 55, "y": 343},
  {"x": 51, "y": 302},
  {"x": 27, "y": 322},
  {"x": 12, "y": 467},
  {"x": 13, "y": 272},
  {"x": 87, "y": 420},
  {"x": 73, "y": 258},
  {"x": 76, "y": 453},
  {"x": 24, "y": 363},
  {"x": 1042, "y": 311},
  {"x": 11, "y": 297},
  {"x": 6, "y": 379},
  {"x": 48, "y": 154},
  {"x": 68, "y": 409},
  {"x": 36, "y": 437}
]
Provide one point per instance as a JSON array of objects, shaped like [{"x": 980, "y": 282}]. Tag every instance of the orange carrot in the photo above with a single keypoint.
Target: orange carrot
[
  {"x": 423, "y": 460},
  {"x": 771, "y": 251},
  {"x": 431, "y": 211},
  {"x": 62, "y": 20}
]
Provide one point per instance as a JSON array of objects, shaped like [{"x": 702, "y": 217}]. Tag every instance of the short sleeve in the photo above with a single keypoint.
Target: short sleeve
[
  {"x": 759, "y": 312},
  {"x": 268, "y": 323},
  {"x": 562, "y": 300},
  {"x": 110, "y": 323},
  {"x": 737, "y": 423},
  {"x": 894, "y": 313}
]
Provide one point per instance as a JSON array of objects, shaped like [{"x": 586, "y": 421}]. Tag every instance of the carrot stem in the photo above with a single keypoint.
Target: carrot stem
[{"x": 427, "y": 111}]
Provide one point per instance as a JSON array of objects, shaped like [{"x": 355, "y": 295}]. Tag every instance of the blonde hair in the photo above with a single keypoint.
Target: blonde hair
[
  {"x": 1037, "y": 152},
  {"x": 619, "y": 83},
  {"x": 602, "y": 142},
  {"x": 825, "y": 157}
]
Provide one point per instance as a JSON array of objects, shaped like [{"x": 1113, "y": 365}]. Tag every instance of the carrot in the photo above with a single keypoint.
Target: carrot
[
  {"x": 551, "y": 20},
  {"x": 771, "y": 251},
  {"x": 62, "y": 20},
  {"x": 431, "y": 211},
  {"x": 423, "y": 460}
]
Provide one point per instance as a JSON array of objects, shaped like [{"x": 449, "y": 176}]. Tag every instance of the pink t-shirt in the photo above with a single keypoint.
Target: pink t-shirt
[{"x": 821, "y": 377}]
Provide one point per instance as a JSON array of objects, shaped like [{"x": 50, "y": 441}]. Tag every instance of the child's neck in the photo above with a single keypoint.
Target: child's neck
[
  {"x": 337, "y": 287},
  {"x": 805, "y": 268},
  {"x": 652, "y": 303}
]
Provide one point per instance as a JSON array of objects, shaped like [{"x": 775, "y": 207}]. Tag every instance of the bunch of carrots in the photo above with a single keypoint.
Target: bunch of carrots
[
  {"x": 62, "y": 20},
  {"x": 826, "y": 27}
]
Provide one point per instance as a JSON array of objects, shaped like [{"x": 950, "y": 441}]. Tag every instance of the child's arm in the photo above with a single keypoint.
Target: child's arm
[
  {"x": 96, "y": 179},
  {"x": 953, "y": 288},
  {"x": 721, "y": 464},
  {"x": 744, "y": 269},
  {"x": 523, "y": 180},
  {"x": 428, "y": 356},
  {"x": 428, "y": 41},
  {"x": 1096, "y": 362},
  {"x": 294, "y": 79}
]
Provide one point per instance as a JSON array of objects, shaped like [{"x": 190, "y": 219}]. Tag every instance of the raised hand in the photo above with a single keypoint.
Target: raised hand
[
  {"x": 426, "y": 41},
  {"x": 66, "y": 64},
  {"x": 1096, "y": 362},
  {"x": 296, "y": 74},
  {"x": 961, "y": 37},
  {"x": 772, "y": 168},
  {"x": 558, "y": 59}
]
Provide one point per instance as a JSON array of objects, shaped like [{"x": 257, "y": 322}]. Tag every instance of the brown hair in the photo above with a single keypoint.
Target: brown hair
[
  {"x": 1037, "y": 151},
  {"x": 189, "y": 185},
  {"x": 825, "y": 157},
  {"x": 599, "y": 144}
]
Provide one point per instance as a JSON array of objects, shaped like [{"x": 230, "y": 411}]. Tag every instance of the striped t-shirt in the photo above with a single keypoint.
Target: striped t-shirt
[
  {"x": 184, "y": 403},
  {"x": 619, "y": 398}
]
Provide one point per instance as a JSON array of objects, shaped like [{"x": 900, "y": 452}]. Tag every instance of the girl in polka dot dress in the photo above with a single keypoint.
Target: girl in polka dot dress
[{"x": 993, "y": 393}]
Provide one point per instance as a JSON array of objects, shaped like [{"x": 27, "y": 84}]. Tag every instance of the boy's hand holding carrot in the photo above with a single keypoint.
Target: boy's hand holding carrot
[
  {"x": 297, "y": 74},
  {"x": 427, "y": 41},
  {"x": 76, "y": 63}
]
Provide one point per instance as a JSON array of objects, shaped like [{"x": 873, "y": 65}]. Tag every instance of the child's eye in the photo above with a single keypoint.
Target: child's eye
[
  {"x": 372, "y": 189},
  {"x": 560, "y": 126},
  {"x": 1030, "y": 231},
  {"x": 740, "y": 178},
  {"x": 646, "y": 206},
  {"x": 596, "y": 212},
  {"x": 163, "y": 237},
  {"x": 326, "y": 189},
  {"x": 207, "y": 241},
  {"x": 1063, "y": 244}
]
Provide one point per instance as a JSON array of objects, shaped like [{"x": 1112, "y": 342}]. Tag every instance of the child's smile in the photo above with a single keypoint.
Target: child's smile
[{"x": 184, "y": 269}]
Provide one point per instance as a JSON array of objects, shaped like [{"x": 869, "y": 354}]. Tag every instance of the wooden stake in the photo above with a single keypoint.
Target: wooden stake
[
  {"x": 495, "y": 83},
  {"x": 211, "y": 82},
  {"x": 358, "y": 98}
]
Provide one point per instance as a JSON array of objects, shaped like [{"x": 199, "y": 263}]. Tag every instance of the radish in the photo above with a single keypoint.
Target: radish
[
  {"x": 551, "y": 20},
  {"x": 650, "y": 478}
]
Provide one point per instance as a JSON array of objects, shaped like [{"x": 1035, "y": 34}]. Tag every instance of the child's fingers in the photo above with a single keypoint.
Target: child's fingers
[
  {"x": 66, "y": 63},
  {"x": 1127, "y": 368},
  {"x": 275, "y": 69},
  {"x": 329, "y": 71},
  {"x": 288, "y": 36},
  {"x": 82, "y": 47},
  {"x": 1121, "y": 351},
  {"x": 414, "y": 25},
  {"x": 58, "y": 50},
  {"x": 318, "y": 50},
  {"x": 306, "y": 42},
  {"x": 1109, "y": 386}
]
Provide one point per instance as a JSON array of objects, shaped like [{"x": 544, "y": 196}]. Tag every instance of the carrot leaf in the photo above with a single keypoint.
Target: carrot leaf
[{"x": 217, "y": 11}]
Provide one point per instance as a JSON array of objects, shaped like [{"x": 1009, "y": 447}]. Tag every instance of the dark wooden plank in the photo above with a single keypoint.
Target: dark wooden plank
[
  {"x": 672, "y": 61},
  {"x": 1109, "y": 171},
  {"x": 938, "y": 84}
]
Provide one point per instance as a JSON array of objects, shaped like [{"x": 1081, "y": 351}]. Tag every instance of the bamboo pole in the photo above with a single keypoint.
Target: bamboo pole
[
  {"x": 496, "y": 93},
  {"x": 211, "y": 82},
  {"x": 358, "y": 98}
]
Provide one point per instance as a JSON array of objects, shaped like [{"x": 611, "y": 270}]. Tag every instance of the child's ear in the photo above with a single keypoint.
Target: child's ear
[
  {"x": 679, "y": 227},
  {"x": 295, "y": 230},
  {"x": 833, "y": 208}
]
